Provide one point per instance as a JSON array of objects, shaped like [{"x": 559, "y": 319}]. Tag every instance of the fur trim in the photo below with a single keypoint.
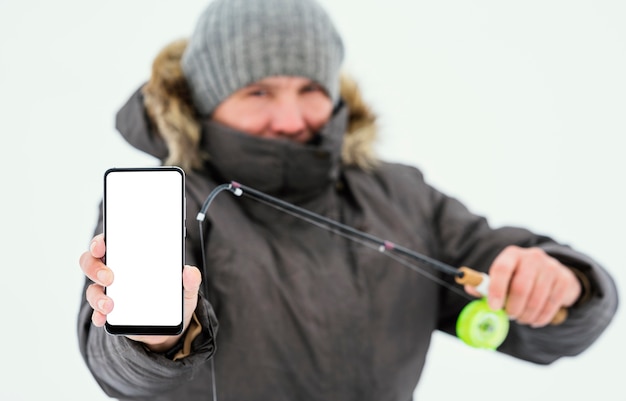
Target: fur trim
[
  {"x": 167, "y": 100},
  {"x": 358, "y": 143}
]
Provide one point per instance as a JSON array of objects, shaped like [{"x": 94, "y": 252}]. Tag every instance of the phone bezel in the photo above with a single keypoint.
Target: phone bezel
[{"x": 149, "y": 329}]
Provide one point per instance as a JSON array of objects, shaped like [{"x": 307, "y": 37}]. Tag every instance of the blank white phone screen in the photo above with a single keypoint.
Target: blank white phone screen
[{"x": 144, "y": 235}]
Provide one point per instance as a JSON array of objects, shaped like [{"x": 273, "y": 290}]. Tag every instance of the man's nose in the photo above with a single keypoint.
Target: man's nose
[{"x": 288, "y": 118}]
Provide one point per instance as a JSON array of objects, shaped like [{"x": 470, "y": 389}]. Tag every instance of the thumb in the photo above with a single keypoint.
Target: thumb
[{"x": 191, "y": 285}]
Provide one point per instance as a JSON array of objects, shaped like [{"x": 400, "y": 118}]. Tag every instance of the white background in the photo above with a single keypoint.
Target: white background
[{"x": 515, "y": 107}]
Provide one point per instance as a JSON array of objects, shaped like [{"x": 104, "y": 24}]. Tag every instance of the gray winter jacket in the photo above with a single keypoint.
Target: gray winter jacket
[{"x": 303, "y": 313}]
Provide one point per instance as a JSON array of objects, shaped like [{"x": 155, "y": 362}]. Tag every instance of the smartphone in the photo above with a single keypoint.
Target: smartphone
[{"x": 144, "y": 233}]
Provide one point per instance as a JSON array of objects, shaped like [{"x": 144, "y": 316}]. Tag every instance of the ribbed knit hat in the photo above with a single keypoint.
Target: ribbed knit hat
[{"x": 238, "y": 42}]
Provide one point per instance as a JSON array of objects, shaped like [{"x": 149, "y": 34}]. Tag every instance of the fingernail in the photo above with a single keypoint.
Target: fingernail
[
  {"x": 494, "y": 303},
  {"x": 102, "y": 304},
  {"x": 104, "y": 276},
  {"x": 92, "y": 246}
]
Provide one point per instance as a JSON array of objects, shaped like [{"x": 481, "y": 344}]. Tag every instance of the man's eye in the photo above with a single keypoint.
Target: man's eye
[
  {"x": 311, "y": 88},
  {"x": 257, "y": 93}
]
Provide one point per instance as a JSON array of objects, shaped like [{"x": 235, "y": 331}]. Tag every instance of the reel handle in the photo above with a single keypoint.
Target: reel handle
[{"x": 480, "y": 281}]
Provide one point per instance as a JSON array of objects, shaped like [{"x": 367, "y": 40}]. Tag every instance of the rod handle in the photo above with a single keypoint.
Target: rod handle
[{"x": 480, "y": 281}]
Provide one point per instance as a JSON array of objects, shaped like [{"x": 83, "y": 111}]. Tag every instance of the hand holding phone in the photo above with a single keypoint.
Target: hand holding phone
[{"x": 92, "y": 266}]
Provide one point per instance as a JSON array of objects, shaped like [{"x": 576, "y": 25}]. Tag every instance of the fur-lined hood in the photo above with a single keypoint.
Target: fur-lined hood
[{"x": 168, "y": 103}]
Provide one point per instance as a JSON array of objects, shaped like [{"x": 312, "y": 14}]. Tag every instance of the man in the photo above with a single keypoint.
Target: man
[{"x": 256, "y": 97}]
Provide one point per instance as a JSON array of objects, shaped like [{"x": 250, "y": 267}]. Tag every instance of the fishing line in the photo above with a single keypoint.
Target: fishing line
[
  {"x": 239, "y": 189},
  {"x": 205, "y": 290},
  {"x": 369, "y": 245},
  {"x": 477, "y": 325}
]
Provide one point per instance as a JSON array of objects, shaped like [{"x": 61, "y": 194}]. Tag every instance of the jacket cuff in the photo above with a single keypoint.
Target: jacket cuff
[
  {"x": 183, "y": 347},
  {"x": 200, "y": 336}
]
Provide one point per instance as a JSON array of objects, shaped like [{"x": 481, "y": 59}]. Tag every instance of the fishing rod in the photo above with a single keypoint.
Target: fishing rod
[{"x": 477, "y": 325}]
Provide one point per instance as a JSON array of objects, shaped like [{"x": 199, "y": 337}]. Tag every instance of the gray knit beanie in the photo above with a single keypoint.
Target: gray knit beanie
[{"x": 238, "y": 42}]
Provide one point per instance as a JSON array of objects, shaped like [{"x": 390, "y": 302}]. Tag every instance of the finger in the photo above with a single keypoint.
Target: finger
[
  {"x": 97, "y": 246},
  {"x": 538, "y": 298},
  {"x": 98, "y": 319},
  {"x": 546, "y": 315},
  {"x": 570, "y": 287},
  {"x": 95, "y": 270},
  {"x": 500, "y": 274},
  {"x": 558, "y": 298},
  {"x": 520, "y": 288},
  {"x": 98, "y": 300}
]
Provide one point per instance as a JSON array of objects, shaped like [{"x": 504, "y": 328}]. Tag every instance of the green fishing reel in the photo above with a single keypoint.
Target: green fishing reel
[{"x": 480, "y": 326}]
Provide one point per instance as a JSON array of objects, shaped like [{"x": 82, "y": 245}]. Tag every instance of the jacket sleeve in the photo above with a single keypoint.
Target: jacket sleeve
[
  {"x": 126, "y": 369},
  {"x": 465, "y": 239},
  {"x": 585, "y": 322}
]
